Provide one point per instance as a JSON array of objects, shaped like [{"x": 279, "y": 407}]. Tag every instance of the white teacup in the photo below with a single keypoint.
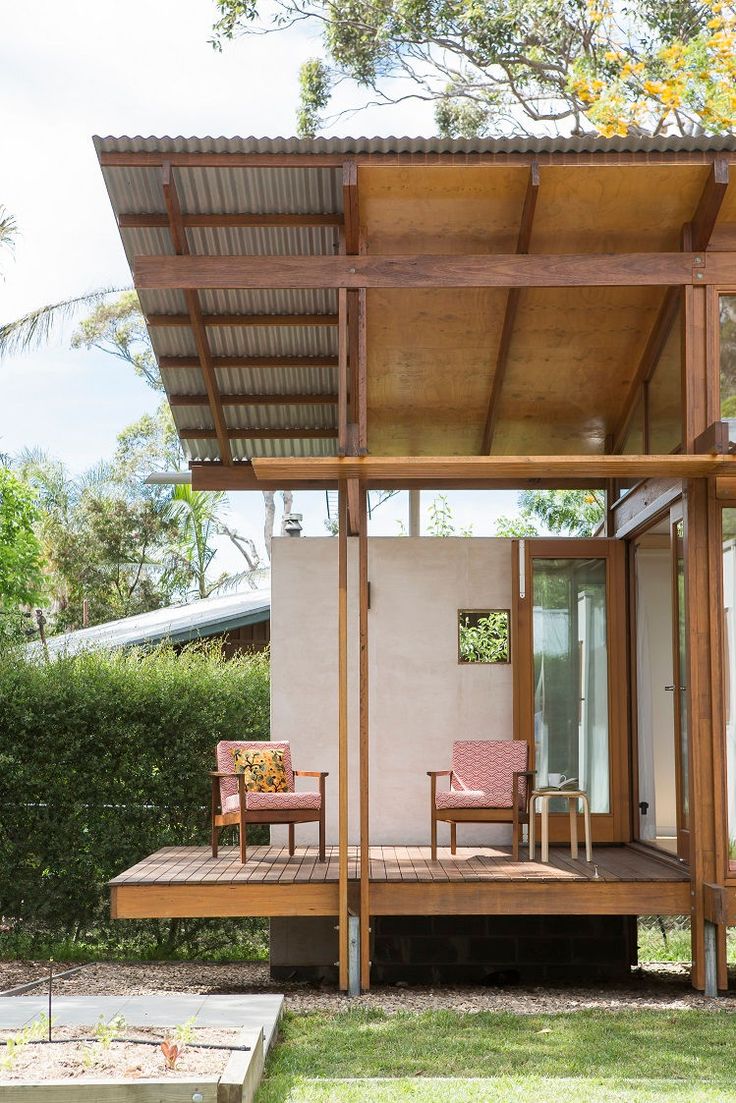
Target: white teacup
[{"x": 556, "y": 779}]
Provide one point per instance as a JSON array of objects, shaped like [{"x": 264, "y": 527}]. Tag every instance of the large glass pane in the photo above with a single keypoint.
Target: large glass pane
[
  {"x": 728, "y": 356},
  {"x": 729, "y": 669},
  {"x": 571, "y": 674},
  {"x": 665, "y": 397}
]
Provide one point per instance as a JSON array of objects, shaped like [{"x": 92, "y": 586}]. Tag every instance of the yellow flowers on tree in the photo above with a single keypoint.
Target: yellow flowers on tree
[{"x": 509, "y": 66}]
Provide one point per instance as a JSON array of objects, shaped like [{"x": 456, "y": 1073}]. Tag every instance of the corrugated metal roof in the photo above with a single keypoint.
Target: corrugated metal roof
[
  {"x": 226, "y": 189},
  {"x": 521, "y": 143},
  {"x": 177, "y": 623}
]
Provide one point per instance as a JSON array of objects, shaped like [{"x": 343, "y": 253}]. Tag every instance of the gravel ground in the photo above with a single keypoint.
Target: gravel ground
[
  {"x": 83, "y": 1061},
  {"x": 661, "y": 987}
]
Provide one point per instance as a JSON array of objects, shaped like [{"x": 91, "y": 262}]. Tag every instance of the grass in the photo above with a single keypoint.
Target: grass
[{"x": 579, "y": 1057}]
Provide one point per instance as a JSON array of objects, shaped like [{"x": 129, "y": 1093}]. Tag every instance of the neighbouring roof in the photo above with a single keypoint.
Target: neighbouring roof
[
  {"x": 175, "y": 623},
  {"x": 432, "y": 353}
]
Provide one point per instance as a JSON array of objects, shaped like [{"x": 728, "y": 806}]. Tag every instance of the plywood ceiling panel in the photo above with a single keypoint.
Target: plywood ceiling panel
[{"x": 574, "y": 351}]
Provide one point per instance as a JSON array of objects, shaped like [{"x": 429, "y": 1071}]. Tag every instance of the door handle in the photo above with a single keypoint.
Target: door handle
[{"x": 670, "y": 689}]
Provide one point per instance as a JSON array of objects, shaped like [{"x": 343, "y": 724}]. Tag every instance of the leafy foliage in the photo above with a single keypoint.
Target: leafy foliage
[
  {"x": 484, "y": 638},
  {"x": 104, "y": 759},
  {"x": 561, "y": 512},
  {"x": 8, "y": 230},
  {"x": 117, "y": 327},
  {"x": 441, "y": 521},
  {"x": 37, "y": 327},
  {"x": 21, "y": 579},
  {"x": 498, "y": 66}
]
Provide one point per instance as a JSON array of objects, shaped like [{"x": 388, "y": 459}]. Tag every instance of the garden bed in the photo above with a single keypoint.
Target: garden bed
[{"x": 214, "y": 1065}]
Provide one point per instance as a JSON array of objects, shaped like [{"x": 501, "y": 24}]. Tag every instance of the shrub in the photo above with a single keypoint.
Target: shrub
[{"x": 104, "y": 759}]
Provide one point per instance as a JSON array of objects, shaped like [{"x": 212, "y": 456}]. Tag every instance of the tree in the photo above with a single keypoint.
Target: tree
[
  {"x": 21, "y": 556},
  {"x": 562, "y": 512},
  {"x": 117, "y": 326},
  {"x": 501, "y": 66},
  {"x": 199, "y": 515}
]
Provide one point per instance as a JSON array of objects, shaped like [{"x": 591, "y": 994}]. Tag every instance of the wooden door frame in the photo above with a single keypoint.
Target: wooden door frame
[
  {"x": 683, "y": 833},
  {"x": 673, "y": 513},
  {"x": 615, "y": 825}
]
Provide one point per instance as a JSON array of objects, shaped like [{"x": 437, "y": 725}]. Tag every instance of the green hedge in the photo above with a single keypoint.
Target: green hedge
[{"x": 103, "y": 759}]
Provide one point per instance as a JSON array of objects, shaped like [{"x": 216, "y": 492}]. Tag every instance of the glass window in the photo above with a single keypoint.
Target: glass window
[
  {"x": 665, "y": 396},
  {"x": 571, "y": 674},
  {"x": 728, "y": 356},
  {"x": 634, "y": 441},
  {"x": 729, "y": 669},
  {"x": 483, "y": 636}
]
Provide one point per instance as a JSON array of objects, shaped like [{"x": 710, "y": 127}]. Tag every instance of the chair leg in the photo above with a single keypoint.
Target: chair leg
[
  {"x": 434, "y": 838},
  {"x": 291, "y": 839},
  {"x": 215, "y": 838},
  {"x": 515, "y": 839},
  {"x": 322, "y": 857},
  {"x": 453, "y": 838},
  {"x": 243, "y": 841}
]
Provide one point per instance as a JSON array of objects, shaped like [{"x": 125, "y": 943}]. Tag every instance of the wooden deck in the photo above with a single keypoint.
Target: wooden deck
[{"x": 188, "y": 882}]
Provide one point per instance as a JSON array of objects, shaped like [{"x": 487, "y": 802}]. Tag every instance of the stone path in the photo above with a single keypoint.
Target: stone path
[{"x": 250, "y": 1011}]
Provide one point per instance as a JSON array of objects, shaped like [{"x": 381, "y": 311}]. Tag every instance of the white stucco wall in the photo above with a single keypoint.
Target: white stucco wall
[{"x": 421, "y": 698}]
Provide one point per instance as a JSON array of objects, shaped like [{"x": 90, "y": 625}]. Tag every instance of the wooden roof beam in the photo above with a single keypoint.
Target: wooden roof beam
[
  {"x": 492, "y": 468},
  {"x": 181, "y": 248},
  {"x": 255, "y": 399},
  {"x": 444, "y": 270},
  {"x": 704, "y": 220},
  {"x": 696, "y": 237},
  {"x": 170, "y": 321},
  {"x": 513, "y": 296},
  {"x": 210, "y": 475},
  {"x": 229, "y": 221}
]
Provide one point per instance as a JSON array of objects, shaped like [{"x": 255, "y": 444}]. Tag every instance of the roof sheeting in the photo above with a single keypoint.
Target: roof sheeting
[
  {"x": 176, "y": 623},
  {"x": 431, "y": 352}
]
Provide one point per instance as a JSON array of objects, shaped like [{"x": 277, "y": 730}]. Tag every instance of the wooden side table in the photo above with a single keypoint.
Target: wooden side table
[{"x": 572, "y": 796}]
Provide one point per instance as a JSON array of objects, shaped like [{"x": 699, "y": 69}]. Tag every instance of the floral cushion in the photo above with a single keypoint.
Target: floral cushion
[{"x": 264, "y": 770}]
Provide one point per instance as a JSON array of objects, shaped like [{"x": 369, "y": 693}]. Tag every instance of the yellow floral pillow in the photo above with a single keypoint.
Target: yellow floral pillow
[{"x": 264, "y": 770}]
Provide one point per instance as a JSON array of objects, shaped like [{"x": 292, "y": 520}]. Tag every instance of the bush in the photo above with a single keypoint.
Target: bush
[{"x": 104, "y": 759}]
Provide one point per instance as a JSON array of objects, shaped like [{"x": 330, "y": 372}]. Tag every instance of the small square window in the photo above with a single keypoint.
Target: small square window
[{"x": 484, "y": 636}]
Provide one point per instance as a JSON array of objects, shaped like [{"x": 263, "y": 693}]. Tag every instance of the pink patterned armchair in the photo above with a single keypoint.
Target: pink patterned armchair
[
  {"x": 232, "y": 803},
  {"x": 489, "y": 783}
]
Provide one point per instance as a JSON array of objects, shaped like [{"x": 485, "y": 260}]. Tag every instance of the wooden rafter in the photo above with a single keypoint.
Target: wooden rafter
[
  {"x": 492, "y": 468},
  {"x": 173, "y": 362},
  {"x": 696, "y": 237},
  {"x": 351, "y": 247},
  {"x": 173, "y": 321},
  {"x": 191, "y": 296},
  {"x": 228, "y": 221},
  {"x": 513, "y": 297},
  {"x": 428, "y": 270},
  {"x": 260, "y": 434},
  {"x": 255, "y": 399}
]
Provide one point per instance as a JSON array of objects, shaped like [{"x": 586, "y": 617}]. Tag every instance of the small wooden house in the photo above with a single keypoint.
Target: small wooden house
[{"x": 381, "y": 313}]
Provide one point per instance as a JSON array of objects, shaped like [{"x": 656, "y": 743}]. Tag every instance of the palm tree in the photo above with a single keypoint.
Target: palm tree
[
  {"x": 199, "y": 516},
  {"x": 34, "y": 329},
  {"x": 8, "y": 230}
]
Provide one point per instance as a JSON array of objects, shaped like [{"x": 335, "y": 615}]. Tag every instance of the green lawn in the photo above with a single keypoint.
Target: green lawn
[{"x": 580, "y": 1057}]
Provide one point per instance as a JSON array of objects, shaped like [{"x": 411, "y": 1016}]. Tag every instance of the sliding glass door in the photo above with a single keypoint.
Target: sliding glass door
[{"x": 571, "y": 697}]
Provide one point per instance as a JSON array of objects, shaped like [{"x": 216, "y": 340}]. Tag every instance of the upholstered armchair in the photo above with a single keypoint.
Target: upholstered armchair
[
  {"x": 489, "y": 783},
  {"x": 252, "y": 784}
]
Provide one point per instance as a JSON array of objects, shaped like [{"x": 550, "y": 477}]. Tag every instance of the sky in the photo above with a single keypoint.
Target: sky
[{"x": 144, "y": 67}]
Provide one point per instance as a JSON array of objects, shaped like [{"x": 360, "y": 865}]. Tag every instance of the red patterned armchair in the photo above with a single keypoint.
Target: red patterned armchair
[
  {"x": 237, "y": 799},
  {"x": 489, "y": 783}
]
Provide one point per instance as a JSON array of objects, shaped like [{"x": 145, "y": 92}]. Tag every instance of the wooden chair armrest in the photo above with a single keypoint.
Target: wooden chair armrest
[
  {"x": 439, "y": 773},
  {"x": 311, "y": 773},
  {"x": 221, "y": 773},
  {"x": 516, "y": 787}
]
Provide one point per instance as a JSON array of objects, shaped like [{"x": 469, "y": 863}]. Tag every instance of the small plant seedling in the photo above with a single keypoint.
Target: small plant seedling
[
  {"x": 106, "y": 1033},
  {"x": 171, "y": 1053},
  {"x": 15, "y": 1043},
  {"x": 184, "y": 1032}
]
